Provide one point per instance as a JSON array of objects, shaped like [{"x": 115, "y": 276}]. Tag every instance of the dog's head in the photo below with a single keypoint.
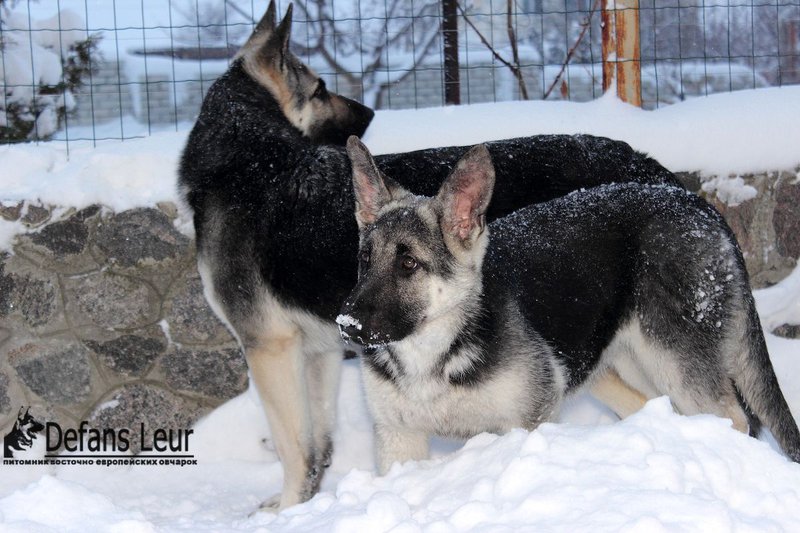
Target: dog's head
[
  {"x": 419, "y": 258},
  {"x": 322, "y": 116},
  {"x": 27, "y": 421},
  {"x": 28, "y": 425}
]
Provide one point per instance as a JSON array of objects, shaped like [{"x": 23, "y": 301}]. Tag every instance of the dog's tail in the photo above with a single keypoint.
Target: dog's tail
[{"x": 758, "y": 385}]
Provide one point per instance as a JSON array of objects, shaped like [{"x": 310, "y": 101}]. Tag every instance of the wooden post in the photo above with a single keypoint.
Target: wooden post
[
  {"x": 452, "y": 82},
  {"x": 621, "y": 49}
]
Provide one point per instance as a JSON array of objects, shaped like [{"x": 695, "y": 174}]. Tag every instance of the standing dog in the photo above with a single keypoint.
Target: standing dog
[
  {"x": 474, "y": 328},
  {"x": 268, "y": 181}
]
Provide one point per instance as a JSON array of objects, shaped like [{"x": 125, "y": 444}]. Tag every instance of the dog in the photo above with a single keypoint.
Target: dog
[
  {"x": 266, "y": 178},
  {"x": 474, "y": 327},
  {"x": 23, "y": 434}
]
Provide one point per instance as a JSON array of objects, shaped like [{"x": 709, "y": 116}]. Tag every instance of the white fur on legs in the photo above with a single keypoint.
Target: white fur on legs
[
  {"x": 323, "y": 371},
  {"x": 276, "y": 366},
  {"x": 398, "y": 445}
]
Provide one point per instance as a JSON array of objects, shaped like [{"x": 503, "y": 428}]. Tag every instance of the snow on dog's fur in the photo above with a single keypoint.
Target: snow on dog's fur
[
  {"x": 267, "y": 179},
  {"x": 470, "y": 327}
]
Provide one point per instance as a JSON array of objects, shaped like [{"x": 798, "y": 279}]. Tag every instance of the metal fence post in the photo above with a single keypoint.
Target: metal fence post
[
  {"x": 452, "y": 75},
  {"x": 621, "y": 49}
]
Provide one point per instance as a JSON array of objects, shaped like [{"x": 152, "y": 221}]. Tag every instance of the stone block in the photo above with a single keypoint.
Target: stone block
[
  {"x": 190, "y": 319},
  {"x": 57, "y": 370},
  {"x": 6, "y": 286},
  {"x": 30, "y": 294},
  {"x": 36, "y": 215},
  {"x": 111, "y": 301},
  {"x": 786, "y": 217},
  {"x": 5, "y": 395},
  {"x": 753, "y": 223},
  {"x": 140, "y": 236},
  {"x": 11, "y": 212},
  {"x": 63, "y": 246},
  {"x": 135, "y": 404},
  {"x": 130, "y": 355},
  {"x": 220, "y": 374}
]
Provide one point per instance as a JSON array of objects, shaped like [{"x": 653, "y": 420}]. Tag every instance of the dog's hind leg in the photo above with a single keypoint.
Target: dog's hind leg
[
  {"x": 277, "y": 368},
  {"x": 617, "y": 394},
  {"x": 695, "y": 382}
]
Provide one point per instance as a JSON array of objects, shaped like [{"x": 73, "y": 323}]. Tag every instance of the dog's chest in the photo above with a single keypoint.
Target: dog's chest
[{"x": 434, "y": 406}]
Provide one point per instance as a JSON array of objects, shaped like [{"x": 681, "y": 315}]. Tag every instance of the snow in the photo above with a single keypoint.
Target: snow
[
  {"x": 732, "y": 191},
  {"x": 779, "y": 304},
  {"x": 656, "y": 471}
]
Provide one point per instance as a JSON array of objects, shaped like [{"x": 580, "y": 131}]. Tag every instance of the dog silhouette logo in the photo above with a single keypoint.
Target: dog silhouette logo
[{"x": 21, "y": 437}]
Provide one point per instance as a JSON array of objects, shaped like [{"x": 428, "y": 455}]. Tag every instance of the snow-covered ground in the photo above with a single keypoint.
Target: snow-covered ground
[{"x": 655, "y": 471}]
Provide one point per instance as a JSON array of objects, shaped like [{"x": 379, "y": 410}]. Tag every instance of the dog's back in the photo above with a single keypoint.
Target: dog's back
[
  {"x": 650, "y": 282},
  {"x": 582, "y": 266}
]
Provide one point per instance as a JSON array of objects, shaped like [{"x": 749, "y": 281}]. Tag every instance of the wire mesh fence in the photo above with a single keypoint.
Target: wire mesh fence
[{"x": 98, "y": 69}]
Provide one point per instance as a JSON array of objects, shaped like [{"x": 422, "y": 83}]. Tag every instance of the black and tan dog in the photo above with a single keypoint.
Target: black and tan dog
[
  {"x": 475, "y": 327},
  {"x": 266, "y": 176}
]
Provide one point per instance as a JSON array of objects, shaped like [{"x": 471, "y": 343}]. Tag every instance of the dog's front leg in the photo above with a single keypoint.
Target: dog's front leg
[
  {"x": 323, "y": 370},
  {"x": 398, "y": 445},
  {"x": 277, "y": 367}
]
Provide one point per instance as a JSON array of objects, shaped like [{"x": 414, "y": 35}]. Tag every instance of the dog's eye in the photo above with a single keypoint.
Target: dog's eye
[
  {"x": 364, "y": 257},
  {"x": 320, "y": 91},
  {"x": 408, "y": 263}
]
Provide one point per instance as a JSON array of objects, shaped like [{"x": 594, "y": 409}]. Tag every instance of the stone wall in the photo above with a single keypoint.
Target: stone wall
[
  {"x": 766, "y": 226},
  {"x": 102, "y": 318},
  {"x": 102, "y": 315}
]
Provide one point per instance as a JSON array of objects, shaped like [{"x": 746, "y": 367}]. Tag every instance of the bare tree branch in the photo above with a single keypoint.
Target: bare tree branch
[
  {"x": 515, "y": 68},
  {"x": 323, "y": 27},
  {"x": 426, "y": 49},
  {"x": 587, "y": 22},
  {"x": 512, "y": 38},
  {"x": 483, "y": 39}
]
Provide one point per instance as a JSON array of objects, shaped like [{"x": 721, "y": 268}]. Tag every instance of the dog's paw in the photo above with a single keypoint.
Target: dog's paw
[{"x": 272, "y": 505}]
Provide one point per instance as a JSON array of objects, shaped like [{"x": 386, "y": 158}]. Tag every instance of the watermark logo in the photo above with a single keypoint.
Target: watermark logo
[
  {"x": 96, "y": 446},
  {"x": 22, "y": 435}
]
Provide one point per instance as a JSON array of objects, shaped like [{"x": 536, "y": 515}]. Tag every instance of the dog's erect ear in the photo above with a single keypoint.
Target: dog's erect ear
[
  {"x": 261, "y": 32},
  {"x": 372, "y": 189},
  {"x": 283, "y": 35},
  {"x": 267, "y": 22},
  {"x": 268, "y": 42},
  {"x": 465, "y": 194}
]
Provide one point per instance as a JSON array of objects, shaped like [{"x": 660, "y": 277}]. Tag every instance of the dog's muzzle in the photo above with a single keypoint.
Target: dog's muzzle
[{"x": 350, "y": 329}]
